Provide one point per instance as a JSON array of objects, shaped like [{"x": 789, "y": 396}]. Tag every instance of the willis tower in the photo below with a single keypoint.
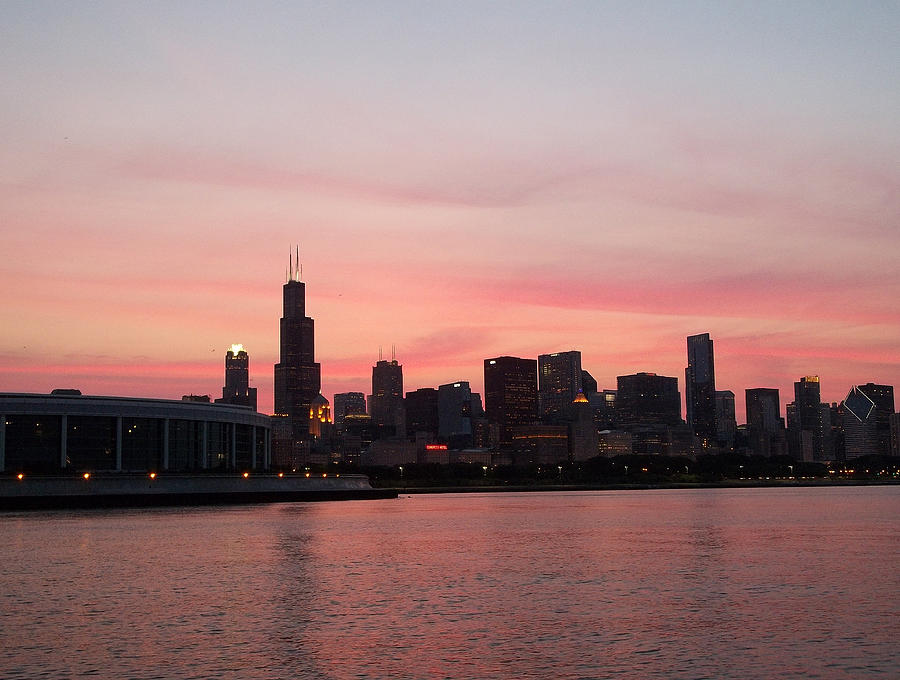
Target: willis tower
[{"x": 298, "y": 377}]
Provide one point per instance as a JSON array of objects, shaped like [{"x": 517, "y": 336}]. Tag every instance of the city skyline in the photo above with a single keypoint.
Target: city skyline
[{"x": 467, "y": 182}]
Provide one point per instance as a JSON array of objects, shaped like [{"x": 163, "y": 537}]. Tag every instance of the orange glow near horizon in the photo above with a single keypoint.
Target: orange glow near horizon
[{"x": 615, "y": 214}]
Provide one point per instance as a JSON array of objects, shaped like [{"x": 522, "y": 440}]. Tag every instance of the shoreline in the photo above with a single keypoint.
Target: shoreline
[
  {"x": 134, "y": 491},
  {"x": 726, "y": 484}
]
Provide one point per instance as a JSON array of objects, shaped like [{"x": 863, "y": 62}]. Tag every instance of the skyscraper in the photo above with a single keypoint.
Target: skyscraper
[
  {"x": 700, "y": 388},
  {"x": 867, "y": 427},
  {"x": 297, "y": 376},
  {"x": 649, "y": 399},
  {"x": 726, "y": 423},
  {"x": 765, "y": 427},
  {"x": 454, "y": 403},
  {"x": 386, "y": 400},
  {"x": 421, "y": 409},
  {"x": 510, "y": 393},
  {"x": 809, "y": 422},
  {"x": 237, "y": 388},
  {"x": 588, "y": 384},
  {"x": 348, "y": 404},
  {"x": 559, "y": 382},
  {"x": 583, "y": 440}
]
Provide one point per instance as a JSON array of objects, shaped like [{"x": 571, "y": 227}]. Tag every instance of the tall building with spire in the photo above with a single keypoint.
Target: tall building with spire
[
  {"x": 386, "y": 400},
  {"x": 298, "y": 377}
]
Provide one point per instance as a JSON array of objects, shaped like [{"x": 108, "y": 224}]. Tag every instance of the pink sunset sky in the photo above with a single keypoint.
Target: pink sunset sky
[{"x": 465, "y": 180}]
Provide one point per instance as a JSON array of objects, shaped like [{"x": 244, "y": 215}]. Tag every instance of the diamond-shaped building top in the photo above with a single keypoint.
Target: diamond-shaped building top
[{"x": 859, "y": 404}]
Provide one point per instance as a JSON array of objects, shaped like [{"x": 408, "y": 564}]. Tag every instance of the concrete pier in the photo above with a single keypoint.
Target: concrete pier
[{"x": 126, "y": 490}]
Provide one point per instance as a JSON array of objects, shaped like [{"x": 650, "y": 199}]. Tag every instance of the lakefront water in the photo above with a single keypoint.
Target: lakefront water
[{"x": 730, "y": 583}]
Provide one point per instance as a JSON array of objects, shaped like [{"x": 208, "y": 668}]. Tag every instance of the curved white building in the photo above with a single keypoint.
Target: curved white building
[{"x": 69, "y": 431}]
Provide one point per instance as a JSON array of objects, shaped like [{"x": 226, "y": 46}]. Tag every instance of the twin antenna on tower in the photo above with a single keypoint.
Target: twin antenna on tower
[
  {"x": 295, "y": 273},
  {"x": 295, "y": 268}
]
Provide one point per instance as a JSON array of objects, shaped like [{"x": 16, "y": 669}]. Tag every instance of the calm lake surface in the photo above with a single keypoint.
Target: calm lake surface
[{"x": 730, "y": 583}]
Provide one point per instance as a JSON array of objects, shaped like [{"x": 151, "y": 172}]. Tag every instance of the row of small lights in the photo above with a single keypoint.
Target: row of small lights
[{"x": 152, "y": 475}]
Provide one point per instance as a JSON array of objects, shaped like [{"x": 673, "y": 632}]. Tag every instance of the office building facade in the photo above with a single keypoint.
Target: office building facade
[
  {"x": 700, "y": 389},
  {"x": 647, "y": 398},
  {"x": 809, "y": 422},
  {"x": 726, "y": 421},
  {"x": 510, "y": 394},
  {"x": 348, "y": 404},
  {"x": 386, "y": 400},
  {"x": 765, "y": 426},
  {"x": 559, "y": 383},
  {"x": 867, "y": 420},
  {"x": 455, "y": 414},
  {"x": 421, "y": 408}
]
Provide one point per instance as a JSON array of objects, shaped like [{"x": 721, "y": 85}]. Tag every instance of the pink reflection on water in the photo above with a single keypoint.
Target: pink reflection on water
[{"x": 655, "y": 584}]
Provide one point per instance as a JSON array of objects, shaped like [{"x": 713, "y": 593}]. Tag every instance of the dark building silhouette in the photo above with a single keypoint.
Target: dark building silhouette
[
  {"x": 559, "y": 382},
  {"x": 648, "y": 408},
  {"x": 540, "y": 444},
  {"x": 583, "y": 440},
  {"x": 648, "y": 398},
  {"x": 604, "y": 406},
  {"x": 866, "y": 420},
  {"x": 726, "y": 422},
  {"x": 700, "y": 388},
  {"x": 894, "y": 422},
  {"x": 458, "y": 411},
  {"x": 386, "y": 400},
  {"x": 765, "y": 427},
  {"x": 297, "y": 376},
  {"x": 237, "y": 388},
  {"x": 836, "y": 427},
  {"x": 348, "y": 404},
  {"x": 510, "y": 394},
  {"x": 357, "y": 437},
  {"x": 588, "y": 384},
  {"x": 422, "y": 412},
  {"x": 809, "y": 422}
]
